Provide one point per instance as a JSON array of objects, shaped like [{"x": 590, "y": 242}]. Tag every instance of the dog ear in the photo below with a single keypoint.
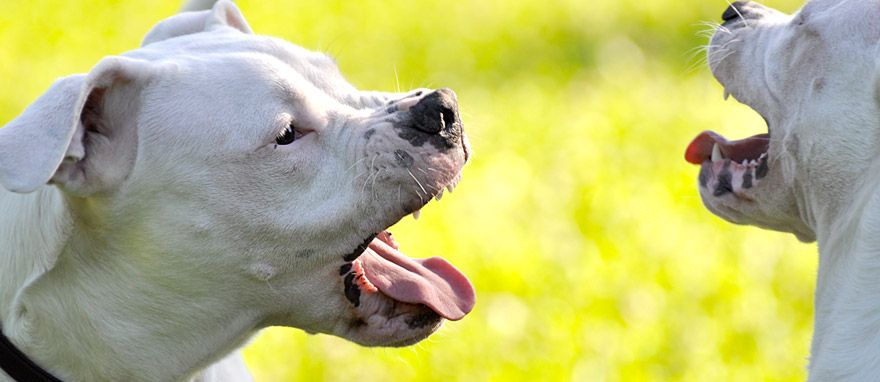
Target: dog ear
[
  {"x": 54, "y": 136},
  {"x": 224, "y": 14}
]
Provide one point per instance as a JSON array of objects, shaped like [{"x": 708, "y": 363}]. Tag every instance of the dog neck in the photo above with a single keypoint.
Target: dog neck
[
  {"x": 55, "y": 273},
  {"x": 33, "y": 229},
  {"x": 847, "y": 298}
]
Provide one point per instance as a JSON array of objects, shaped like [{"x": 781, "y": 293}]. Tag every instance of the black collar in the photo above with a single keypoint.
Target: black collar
[{"x": 19, "y": 366}]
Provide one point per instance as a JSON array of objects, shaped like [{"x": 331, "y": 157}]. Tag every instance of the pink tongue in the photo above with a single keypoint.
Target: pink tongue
[
  {"x": 432, "y": 282},
  {"x": 700, "y": 149}
]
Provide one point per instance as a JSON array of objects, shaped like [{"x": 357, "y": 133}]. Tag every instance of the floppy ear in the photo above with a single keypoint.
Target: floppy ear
[
  {"x": 53, "y": 136},
  {"x": 223, "y": 14}
]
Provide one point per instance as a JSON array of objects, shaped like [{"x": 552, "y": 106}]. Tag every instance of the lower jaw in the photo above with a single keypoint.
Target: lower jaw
[
  {"x": 378, "y": 331},
  {"x": 722, "y": 177}
]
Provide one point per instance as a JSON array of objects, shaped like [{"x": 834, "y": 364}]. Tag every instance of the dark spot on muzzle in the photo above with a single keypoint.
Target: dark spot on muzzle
[
  {"x": 747, "y": 180},
  {"x": 763, "y": 168},
  {"x": 725, "y": 181},
  {"x": 352, "y": 292},
  {"x": 403, "y": 158},
  {"x": 369, "y": 133},
  {"x": 344, "y": 269},
  {"x": 705, "y": 173},
  {"x": 422, "y": 320},
  {"x": 435, "y": 120}
]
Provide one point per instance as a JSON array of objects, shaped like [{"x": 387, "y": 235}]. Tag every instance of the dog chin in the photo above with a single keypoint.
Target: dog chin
[
  {"x": 382, "y": 321},
  {"x": 394, "y": 300}
]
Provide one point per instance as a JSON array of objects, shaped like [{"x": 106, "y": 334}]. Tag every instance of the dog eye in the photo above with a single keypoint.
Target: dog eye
[{"x": 288, "y": 136}]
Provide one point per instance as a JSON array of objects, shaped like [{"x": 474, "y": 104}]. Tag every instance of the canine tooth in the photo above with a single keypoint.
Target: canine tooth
[
  {"x": 726, "y": 94},
  {"x": 453, "y": 183},
  {"x": 716, "y": 153},
  {"x": 439, "y": 195},
  {"x": 417, "y": 214}
]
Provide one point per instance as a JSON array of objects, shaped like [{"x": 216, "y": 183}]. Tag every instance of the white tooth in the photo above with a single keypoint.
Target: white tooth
[
  {"x": 745, "y": 162},
  {"x": 716, "y": 153},
  {"x": 417, "y": 214},
  {"x": 439, "y": 195},
  {"x": 726, "y": 94},
  {"x": 453, "y": 183}
]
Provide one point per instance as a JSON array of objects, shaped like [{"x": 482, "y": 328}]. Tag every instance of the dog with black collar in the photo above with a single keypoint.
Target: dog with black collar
[{"x": 162, "y": 208}]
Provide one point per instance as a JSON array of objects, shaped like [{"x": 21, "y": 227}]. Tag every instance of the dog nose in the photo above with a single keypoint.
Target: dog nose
[
  {"x": 735, "y": 11},
  {"x": 436, "y": 112}
]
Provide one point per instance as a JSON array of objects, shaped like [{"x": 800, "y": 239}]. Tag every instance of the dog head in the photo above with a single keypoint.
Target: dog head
[
  {"x": 813, "y": 77},
  {"x": 245, "y": 167}
]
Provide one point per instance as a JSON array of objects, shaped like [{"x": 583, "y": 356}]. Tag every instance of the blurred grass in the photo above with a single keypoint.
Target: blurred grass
[{"x": 577, "y": 220}]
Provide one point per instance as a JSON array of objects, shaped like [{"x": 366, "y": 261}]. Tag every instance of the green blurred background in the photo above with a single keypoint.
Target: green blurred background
[{"x": 577, "y": 220}]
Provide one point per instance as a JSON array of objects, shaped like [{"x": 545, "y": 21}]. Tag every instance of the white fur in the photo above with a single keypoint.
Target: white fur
[
  {"x": 197, "y": 5},
  {"x": 814, "y": 77},
  {"x": 173, "y": 228}
]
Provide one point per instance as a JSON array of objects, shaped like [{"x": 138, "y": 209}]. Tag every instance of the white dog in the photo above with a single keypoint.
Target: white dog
[
  {"x": 813, "y": 76},
  {"x": 159, "y": 210}
]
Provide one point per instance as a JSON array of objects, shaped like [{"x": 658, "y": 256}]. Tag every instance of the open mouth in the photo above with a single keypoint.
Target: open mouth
[
  {"x": 711, "y": 146},
  {"x": 729, "y": 166},
  {"x": 378, "y": 266}
]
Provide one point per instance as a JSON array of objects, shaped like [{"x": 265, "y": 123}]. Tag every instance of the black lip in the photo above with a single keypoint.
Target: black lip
[
  {"x": 352, "y": 291},
  {"x": 359, "y": 250}
]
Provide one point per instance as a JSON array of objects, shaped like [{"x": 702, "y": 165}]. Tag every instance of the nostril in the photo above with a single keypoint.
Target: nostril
[
  {"x": 436, "y": 112},
  {"x": 447, "y": 118}
]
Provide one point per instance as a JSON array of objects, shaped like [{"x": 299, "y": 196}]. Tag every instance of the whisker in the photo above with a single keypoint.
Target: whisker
[
  {"x": 716, "y": 60},
  {"x": 396, "y": 78},
  {"x": 364, "y": 187},
  {"x": 373, "y": 185},
  {"x": 420, "y": 186},
  {"x": 722, "y": 53},
  {"x": 746, "y": 22},
  {"x": 696, "y": 50},
  {"x": 696, "y": 65},
  {"x": 357, "y": 162},
  {"x": 719, "y": 57}
]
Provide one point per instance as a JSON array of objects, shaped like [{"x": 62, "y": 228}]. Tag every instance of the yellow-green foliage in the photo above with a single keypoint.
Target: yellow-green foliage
[{"x": 578, "y": 219}]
